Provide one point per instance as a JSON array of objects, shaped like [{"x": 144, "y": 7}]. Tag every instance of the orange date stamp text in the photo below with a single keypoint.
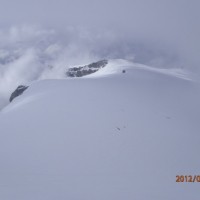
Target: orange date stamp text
[{"x": 188, "y": 179}]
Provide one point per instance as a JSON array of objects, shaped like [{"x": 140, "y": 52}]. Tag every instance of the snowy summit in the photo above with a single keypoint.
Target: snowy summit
[{"x": 123, "y": 132}]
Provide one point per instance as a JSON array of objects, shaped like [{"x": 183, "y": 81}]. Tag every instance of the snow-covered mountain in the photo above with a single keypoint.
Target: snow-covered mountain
[
  {"x": 29, "y": 53},
  {"x": 123, "y": 132}
]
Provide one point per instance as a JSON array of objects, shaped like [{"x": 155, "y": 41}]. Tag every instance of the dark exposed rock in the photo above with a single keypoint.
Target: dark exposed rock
[
  {"x": 20, "y": 89},
  {"x": 87, "y": 69},
  {"x": 99, "y": 64}
]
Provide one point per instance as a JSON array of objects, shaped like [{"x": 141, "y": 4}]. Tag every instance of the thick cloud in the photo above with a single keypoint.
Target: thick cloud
[{"x": 164, "y": 24}]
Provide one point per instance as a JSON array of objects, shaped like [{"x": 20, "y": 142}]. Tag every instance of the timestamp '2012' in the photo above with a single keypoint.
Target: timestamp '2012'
[{"x": 190, "y": 179}]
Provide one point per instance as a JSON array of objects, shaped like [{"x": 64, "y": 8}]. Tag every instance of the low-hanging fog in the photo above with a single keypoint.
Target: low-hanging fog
[{"x": 38, "y": 39}]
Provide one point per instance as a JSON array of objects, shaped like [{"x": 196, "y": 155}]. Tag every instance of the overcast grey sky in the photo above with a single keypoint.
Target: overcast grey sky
[{"x": 174, "y": 24}]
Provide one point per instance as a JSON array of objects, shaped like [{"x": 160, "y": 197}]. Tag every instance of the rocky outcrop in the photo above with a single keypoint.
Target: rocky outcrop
[
  {"x": 20, "y": 89},
  {"x": 87, "y": 69}
]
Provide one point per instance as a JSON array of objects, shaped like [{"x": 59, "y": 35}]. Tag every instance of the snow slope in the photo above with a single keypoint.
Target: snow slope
[{"x": 107, "y": 136}]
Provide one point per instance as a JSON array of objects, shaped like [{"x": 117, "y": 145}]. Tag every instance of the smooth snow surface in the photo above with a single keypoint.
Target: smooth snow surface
[{"x": 107, "y": 136}]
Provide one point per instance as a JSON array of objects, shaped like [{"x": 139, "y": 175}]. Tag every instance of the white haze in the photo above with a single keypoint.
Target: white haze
[{"x": 171, "y": 24}]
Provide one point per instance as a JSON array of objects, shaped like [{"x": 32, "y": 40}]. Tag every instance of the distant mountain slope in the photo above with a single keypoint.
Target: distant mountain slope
[
  {"x": 11, "y": 80},
  {"x": 109, "y": 135}
]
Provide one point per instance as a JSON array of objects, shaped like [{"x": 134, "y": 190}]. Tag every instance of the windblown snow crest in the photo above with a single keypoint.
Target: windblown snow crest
[{"x": 104, "y": 68}]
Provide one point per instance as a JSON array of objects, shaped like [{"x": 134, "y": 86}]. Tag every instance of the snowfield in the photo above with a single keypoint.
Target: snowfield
[{"x": 106, "y": 136}]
